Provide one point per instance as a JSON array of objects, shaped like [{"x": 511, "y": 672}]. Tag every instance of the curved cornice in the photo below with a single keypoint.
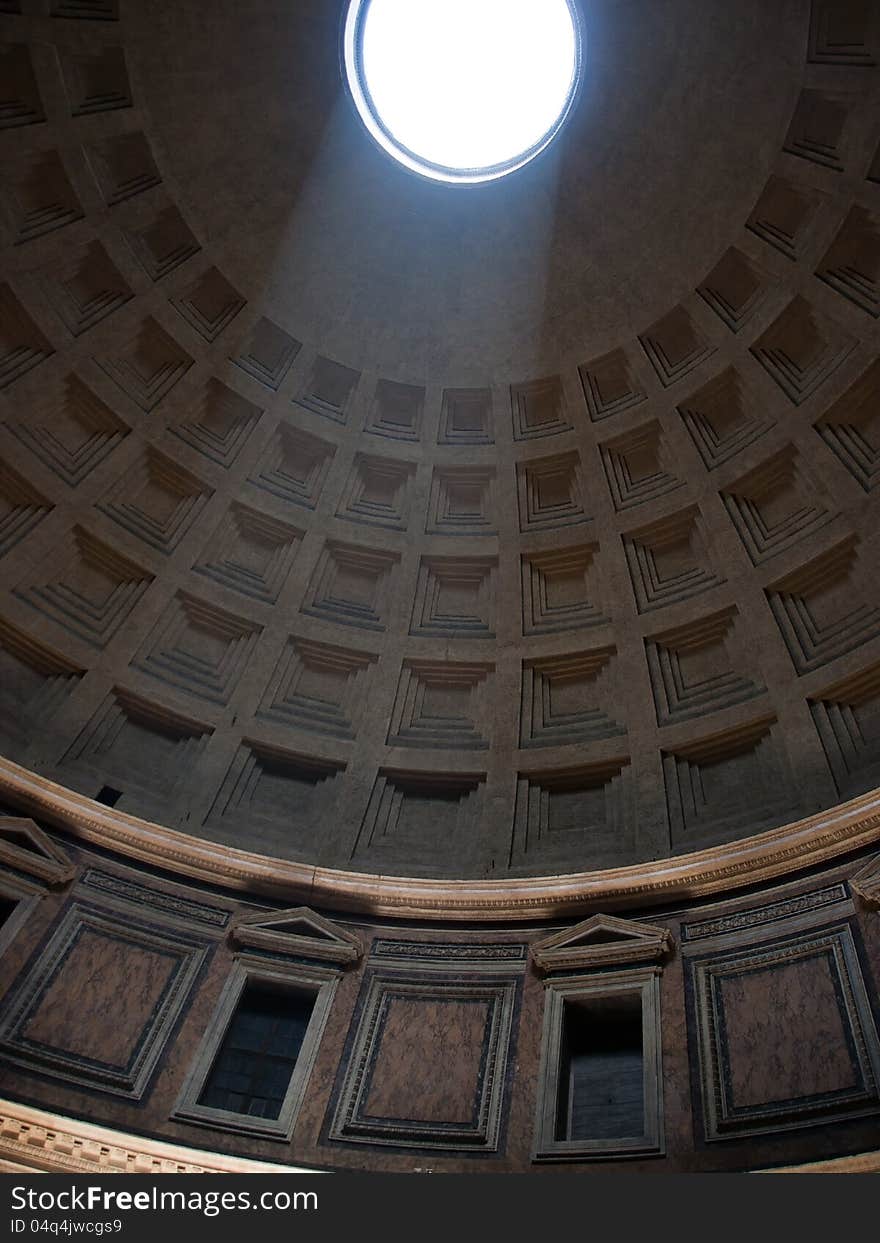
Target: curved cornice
[
  {"x": 766, "y": 856},
  {"x": 34, "y": 1140}
]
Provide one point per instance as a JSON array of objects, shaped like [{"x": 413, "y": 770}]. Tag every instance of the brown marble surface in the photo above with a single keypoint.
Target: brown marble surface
[
  {"x": 786, "y": 1036},
  {"x": 427, "y": 1064},
  {"x": 101, "y": 999}
]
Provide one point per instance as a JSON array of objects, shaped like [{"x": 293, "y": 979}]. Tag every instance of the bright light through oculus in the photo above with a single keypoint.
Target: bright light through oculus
[{"x": 462, "y": 90}]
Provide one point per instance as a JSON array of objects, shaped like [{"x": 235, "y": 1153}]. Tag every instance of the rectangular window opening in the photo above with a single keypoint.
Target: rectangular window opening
[
  {"x": 601, "y": 1079},
  {"x": 256, "y": 1059},
  {"x": 108, "y": 796}
]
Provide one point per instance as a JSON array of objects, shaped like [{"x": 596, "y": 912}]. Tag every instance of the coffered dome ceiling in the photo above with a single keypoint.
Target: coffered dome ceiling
[{"x": 403, "y": 528}]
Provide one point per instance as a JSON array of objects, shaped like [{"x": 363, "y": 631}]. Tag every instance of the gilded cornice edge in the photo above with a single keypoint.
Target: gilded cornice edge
[
  {"x": 752, "y": 860},
  {"x": 858, "y": 1163},
  {"x": 37, "y": 1140}
]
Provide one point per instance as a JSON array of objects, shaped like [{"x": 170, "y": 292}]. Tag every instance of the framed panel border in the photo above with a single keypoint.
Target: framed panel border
[
  {"x": 38, "y": 975},
  {"x": 722, "y": 1118}
]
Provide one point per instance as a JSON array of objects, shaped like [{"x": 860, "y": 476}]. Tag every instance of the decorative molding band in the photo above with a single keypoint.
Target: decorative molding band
[
  {"x": 859, "y": 1163},
  {"x": 174, "y": 907},
  {"x": 432, "y": 957},
  {"x": 761, "y": 916},
  {"x": 847, "y": 827},
  {"x": 32, "y": 1139}
]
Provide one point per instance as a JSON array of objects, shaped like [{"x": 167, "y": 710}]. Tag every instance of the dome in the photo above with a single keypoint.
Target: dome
[
  {"x": 409, "y": 528},
  {"x": 395, "y": 571}
]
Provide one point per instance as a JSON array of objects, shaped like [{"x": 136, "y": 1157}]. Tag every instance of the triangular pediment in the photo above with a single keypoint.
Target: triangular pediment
[
  {"x": 866, "y": 883},
  {"x": 602, "y": 940},
  {"x": 300, "y": 932},
  {"x": 296, "y": 927},
  {"x": 24, "y": 846},
  {"x": 600, "y": 934}
]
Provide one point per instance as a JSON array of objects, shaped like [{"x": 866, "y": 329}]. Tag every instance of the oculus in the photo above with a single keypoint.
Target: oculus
[{"x": 462, "y": 90}]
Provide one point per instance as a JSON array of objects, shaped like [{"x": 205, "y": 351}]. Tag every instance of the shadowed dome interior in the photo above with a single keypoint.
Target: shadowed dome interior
[{"x": 365, "y": 522}]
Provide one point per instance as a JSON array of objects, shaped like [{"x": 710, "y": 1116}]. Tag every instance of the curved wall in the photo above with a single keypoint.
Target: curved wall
[{"x": 434, "y": 1046}]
